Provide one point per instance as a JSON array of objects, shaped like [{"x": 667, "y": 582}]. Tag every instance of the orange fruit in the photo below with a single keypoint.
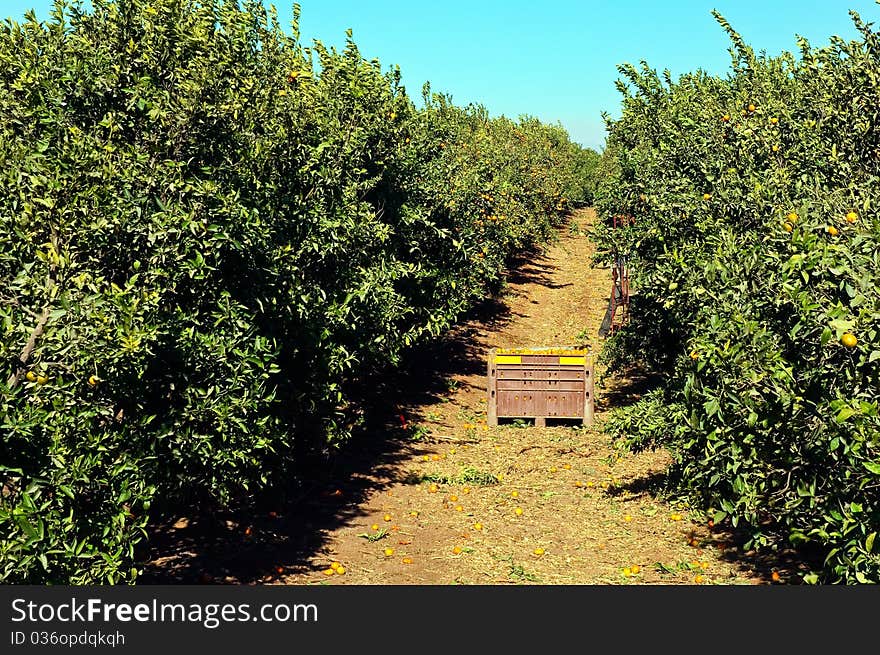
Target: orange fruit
[
  {"x": 456, "y": 551},
  {"x": 792, "y": 217},
  {"x": 788, "y": 227},
  {"x": 93, "y": 381},
  {"x": 849, "y": 340},
  {"x": 478, "y": 526},
  {"x": 725, "y": 118},
  {"x": 425, "y": 458},
  {"x": 675, "y": 517},
  {"x": 279, "y": 570},
  {"x": 711, "y": 523},
  {"x": 774, "y": 121},
  {"x": 435, "y": 458},
  {"x": 42, "y": 379},
  {"x": 553, "y": 469},
  {"x": 407, "y": 560},
  {"x": 635, "y": 568},
  {"x": 775, "y": 148},
  {"x": 707, "y": 196},
  {"x": 466, "y": 490},
  {"x": 459, "y": 508},
  {"x": 388, "y": 552},
  {"x": 453, "y": 498},
  {"x": 852, "y": 217},
  {"x": 387, "y": 517},
  {"x": 432, "y": 489},
  {"x": 752, "y": 107},
  {"x": 375, "y": 526},
  {"x": 328, "y": 571},
  {"x": 539, "y": 551},
  {"x": 247, "y": 531},
  {"x": 627, "y": 571},
  {"x": 340, "y": 570},
  {"x": 514, "y": 494},
  {"x": 579, "y": 484},
  {"x": 627, "y": 518},
  {"x": 698, "y": 578},
  {"x": 832, "y": 230},
  {"x": 335, "y": 565},
  {"x": 775, "y": 576},
  {"x": 518, "y": 511},
  {"x": 413, "y": 513},
  {"x": 567, "y": 467}
]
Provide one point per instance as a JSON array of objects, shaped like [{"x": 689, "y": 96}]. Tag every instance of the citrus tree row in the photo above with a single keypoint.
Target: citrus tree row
[
  {"x": 208, "y": 233},
  {"x": 756, "y": 251}
]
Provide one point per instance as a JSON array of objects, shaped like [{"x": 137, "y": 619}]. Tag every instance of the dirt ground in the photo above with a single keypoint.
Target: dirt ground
[{"x": 450, "y": 500}]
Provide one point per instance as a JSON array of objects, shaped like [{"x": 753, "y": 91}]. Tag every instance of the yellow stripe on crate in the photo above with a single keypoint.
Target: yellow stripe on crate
[
  {"x": 573, "y": 360},
  {"x": 508, "y": 359},
  {"x": 541, "y": 351}
]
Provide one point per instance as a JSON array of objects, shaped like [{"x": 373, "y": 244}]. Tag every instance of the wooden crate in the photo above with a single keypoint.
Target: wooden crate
[{"x": 540, "y": 383}]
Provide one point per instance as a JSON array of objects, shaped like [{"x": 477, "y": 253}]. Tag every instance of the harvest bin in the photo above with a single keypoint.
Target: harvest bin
[{"x": 540, "y": 383}]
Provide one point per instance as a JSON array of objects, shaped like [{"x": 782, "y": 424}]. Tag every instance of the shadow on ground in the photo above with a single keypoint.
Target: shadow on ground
[{"x": 279, "y": 536}]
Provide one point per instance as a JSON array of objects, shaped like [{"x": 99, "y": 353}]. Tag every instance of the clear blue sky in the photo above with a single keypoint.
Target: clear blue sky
[{"x": 556, "y": 59}]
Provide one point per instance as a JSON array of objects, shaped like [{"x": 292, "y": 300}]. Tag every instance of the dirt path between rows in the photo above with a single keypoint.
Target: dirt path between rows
[{"x": 440, "y": 505}]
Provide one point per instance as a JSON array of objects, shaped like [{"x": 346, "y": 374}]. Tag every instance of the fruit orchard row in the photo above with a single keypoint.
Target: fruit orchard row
[
  {"x": 209, "y": 233},
  {"x": 756, "y": 251}
]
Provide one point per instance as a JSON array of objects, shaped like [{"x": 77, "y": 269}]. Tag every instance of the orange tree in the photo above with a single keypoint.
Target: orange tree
[
  {"x": 755, "y": 255},
  {"x": 209, "y": 233}
]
